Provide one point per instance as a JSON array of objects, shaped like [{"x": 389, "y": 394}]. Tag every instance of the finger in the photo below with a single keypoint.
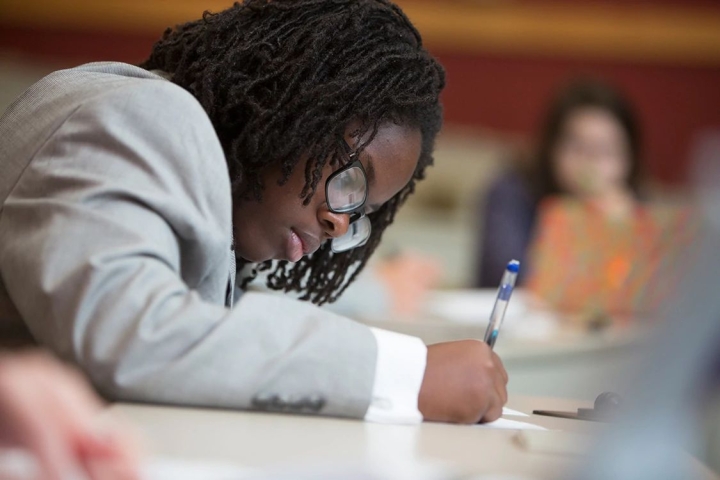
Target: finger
[
  {"x": 501, "y": 391},
  {"x": 496, "y": 398},
  {"x": 49, "y": 410},
  {"x": 493, "y": 412},
  {"x": 56, "y": 459},
  {"x": 58, "y": 417},
  {"x": 59, "y": 385},
  {"x": 87, "y": 441},
  {"x": 110, "y": 469},
  {"x": 26, "y": 421},
  {"x": 111, "y": 443},
  {"x": 92, "y": 436},
  {"x": 500, "y": 385},
  {"x": 475, "y": 416},
  {"x": 499, "y": 365},
  {"x": 40, "y": 434}
]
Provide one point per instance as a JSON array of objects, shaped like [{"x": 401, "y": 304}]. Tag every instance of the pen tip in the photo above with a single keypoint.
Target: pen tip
[{"x": 513, "y": 266}]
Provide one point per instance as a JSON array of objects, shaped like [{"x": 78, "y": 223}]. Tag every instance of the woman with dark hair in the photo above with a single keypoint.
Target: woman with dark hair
[
  {"x": 282, "y": 135},
  {"x": 589, "y": 148}
]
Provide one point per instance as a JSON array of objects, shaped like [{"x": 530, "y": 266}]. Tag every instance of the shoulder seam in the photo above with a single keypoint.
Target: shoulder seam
[{"x": 32, "y": 157}]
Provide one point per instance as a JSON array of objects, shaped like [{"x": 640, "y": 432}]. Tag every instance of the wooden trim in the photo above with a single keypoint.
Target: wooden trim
[
  {"x": 122, "y": 16},
  {"x": 615, "y": 32},
  {"x": 625, "y": 32}
]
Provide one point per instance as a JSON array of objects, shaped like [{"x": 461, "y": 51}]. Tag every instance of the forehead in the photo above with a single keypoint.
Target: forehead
[
  {"x": 393, "y": 154},
  {"x": 593, "y": 121}
]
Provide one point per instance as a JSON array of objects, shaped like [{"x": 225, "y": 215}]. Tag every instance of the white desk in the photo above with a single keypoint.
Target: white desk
[
  {"x": 272, "y": 440},
  {"x": 264, "y": 441}
]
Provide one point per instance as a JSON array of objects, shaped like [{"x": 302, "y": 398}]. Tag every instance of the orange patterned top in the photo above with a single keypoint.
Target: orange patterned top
[{"x": 583, "y": 262}]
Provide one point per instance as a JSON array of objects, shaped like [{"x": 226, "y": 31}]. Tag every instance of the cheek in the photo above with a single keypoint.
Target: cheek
[
  {"x": 283, "y": 207},
  {"x": 250, "y": 235},
  {"x": 569, "y": 169},
  {"x": 613, "y": 169}
]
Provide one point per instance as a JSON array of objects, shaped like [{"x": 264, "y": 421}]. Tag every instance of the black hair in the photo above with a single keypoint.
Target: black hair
[
  {"x": 283, "y": 79},
  {"x": 578, "y": 95}
]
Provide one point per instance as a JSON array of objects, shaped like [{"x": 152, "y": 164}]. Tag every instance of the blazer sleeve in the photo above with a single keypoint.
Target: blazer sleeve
[{"x": 128, "y": 200}]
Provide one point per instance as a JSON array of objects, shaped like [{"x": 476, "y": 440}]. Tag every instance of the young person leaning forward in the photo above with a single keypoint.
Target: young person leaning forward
[{"x": 284, "y": 134}]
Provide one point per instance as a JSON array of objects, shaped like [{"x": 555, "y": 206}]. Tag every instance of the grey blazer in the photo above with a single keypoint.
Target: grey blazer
[{"x": 115, "y": 252}]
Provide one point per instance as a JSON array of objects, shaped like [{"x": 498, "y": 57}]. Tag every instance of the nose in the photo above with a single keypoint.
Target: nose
[{"x": 334, "y": 224}]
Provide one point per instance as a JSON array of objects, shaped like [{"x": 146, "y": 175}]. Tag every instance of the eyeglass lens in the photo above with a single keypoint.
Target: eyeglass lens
[{"x": 347, "y": 191}]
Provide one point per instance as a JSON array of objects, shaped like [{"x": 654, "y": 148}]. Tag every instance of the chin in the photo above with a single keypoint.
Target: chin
[{"x": 252, "y": 256}]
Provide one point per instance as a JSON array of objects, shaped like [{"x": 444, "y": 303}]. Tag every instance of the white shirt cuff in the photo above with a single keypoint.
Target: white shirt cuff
[{"x": 399, "y": 372}]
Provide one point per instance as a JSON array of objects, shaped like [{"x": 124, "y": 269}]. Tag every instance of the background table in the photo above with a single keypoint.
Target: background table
[{"x": 544, "y": 354}]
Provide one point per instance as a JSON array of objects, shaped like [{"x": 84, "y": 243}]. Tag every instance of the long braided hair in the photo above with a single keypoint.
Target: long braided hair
[{"x": 283, "y": 79}]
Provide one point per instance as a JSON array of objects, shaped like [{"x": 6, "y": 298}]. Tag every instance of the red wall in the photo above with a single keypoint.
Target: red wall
[{"x": 510, "y": 94}]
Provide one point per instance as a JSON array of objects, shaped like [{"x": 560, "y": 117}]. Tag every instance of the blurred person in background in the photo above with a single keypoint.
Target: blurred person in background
[
  {"x": 598, "y": 247},
  {"x": 49, "y": 411},
  {"x": 408, "y": 278},
  {"x": 589, "y": 148},
  {"x": 399, "y": 285},
  {"x": 590, "y": 242}
]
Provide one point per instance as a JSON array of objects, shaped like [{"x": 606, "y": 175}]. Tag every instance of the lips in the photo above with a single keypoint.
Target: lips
[
  {"x": 295, "y": 248},
  {"x": 299, "y": 244}
]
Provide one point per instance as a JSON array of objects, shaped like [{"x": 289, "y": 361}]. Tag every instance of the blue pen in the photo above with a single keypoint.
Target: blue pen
[{"x": 501, "y": 302}]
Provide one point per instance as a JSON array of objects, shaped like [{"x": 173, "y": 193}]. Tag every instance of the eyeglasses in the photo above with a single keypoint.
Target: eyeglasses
[{"x": 346, "y": 192}]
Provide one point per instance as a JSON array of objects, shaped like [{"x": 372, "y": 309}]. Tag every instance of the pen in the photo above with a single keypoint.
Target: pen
[{"x": 501, "y": 302}]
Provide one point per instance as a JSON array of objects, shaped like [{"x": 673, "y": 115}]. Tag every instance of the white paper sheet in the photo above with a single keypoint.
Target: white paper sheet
[
  {"x": 504, "y": 423},
  {"x": 515, "y": 413}
]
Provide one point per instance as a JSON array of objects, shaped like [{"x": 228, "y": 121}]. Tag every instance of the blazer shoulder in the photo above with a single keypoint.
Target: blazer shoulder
[
  {"x": 158, "y": 116},
  {"x": 158, "y": 103},
  {"x": 155, "y": 131}
]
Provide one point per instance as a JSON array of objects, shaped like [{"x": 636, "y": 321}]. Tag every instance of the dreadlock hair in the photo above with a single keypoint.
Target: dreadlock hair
[{"x": 283, "y": 79}]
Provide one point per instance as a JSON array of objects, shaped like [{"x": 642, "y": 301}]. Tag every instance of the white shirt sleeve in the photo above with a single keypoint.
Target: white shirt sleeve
[{"x": 399, "y": 373}]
